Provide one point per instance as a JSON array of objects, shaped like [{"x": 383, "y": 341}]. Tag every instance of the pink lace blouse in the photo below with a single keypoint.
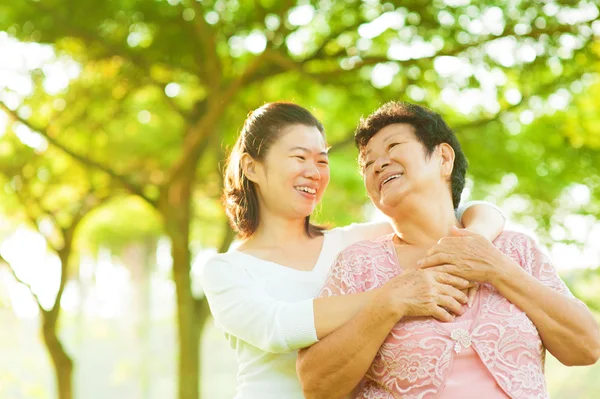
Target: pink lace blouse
[
  {"x": 496, "y": 343},
  {"x": 468, "y": 377}
]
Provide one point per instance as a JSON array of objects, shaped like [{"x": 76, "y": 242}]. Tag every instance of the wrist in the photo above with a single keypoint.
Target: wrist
[
  {"x": 506, "y": 272},
  {"x": 392, "y": 306}
]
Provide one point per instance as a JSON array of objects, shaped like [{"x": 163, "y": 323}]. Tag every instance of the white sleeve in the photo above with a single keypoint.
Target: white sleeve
[
  {"x": 462, "y": 208},
  {"x": 356, "y": 232},
  {"x": 243, "y": 309}
]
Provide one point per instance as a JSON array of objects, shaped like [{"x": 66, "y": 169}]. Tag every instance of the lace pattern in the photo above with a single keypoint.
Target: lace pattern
[{"x": 415, "y": 358}]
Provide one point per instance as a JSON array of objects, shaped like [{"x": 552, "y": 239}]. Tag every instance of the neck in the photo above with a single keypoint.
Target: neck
[
  {"x": 277, "y": 231},
  {"x": 424, "y": 223}
]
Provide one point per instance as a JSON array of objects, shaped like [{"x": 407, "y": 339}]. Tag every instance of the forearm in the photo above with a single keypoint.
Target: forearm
[
  {"x": 333, "y": 367},
  {"x": 483, "y": 219},
  {"x": 333, "y": 312},
  {"x": 567, "y": 328}
]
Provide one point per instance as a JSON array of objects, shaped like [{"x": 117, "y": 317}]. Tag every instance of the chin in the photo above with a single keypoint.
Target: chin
[
  {"x": 391, "y": 200},
  {"x": 304, "y": 212}
]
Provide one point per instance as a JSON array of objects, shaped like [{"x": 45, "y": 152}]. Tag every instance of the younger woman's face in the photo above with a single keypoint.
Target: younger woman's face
[{"x": 295, "y": 172}]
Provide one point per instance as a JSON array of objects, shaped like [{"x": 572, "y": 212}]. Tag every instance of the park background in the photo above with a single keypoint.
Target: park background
[{"x": 116, "y": 116}]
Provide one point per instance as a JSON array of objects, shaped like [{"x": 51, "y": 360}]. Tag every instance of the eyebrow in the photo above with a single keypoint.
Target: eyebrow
[
  {"x": 307, "y": 150},
  {"x": 390, "y": 137}
]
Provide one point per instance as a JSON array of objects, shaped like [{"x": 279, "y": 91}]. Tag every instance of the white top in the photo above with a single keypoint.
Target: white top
[{"x": 266, "y": 310}]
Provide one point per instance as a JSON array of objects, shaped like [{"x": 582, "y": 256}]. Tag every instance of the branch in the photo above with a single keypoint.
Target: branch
[
  {"x": 209, "y": 61},
  {"x": 92, "y": 37},
  {"x": 481, "y": 121},
  {"x": 205, "y": 126},
  {"x": 84, "y": 160},
  {"x": 14, "y": 274},
  {"x": 337, "y": 71}
]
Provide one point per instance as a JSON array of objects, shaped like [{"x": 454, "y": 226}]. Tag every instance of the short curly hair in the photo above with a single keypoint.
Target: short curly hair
[{"x": 429, "y": 128}]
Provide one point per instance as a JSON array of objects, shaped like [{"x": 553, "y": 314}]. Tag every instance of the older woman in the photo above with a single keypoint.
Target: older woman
[{"x": 414, "y": 172}]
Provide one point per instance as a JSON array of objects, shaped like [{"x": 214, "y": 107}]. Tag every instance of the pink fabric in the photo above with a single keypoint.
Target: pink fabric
[
  {"x": 468, "y": 377},
  {"x": 415, "y": 360}
]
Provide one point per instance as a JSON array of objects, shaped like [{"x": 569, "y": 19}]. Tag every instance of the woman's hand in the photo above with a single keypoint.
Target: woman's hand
[
  {"x": 426, "y": 293},
  {"x": 465, "y": 254}
]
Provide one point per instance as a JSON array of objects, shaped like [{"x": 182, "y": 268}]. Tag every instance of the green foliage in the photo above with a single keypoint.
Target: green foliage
[{"x": 158, "y": 91}]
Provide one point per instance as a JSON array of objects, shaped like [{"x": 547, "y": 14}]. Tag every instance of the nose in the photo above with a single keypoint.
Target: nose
[
  {"x": 380, "y": 164},
  {"x": 312, "y": 171}
]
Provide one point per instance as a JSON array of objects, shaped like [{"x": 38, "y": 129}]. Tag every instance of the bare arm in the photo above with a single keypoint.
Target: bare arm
[
  {"x": 483, "y": 219},
  {"x": 567, "y": 328},
  {"x": 333, "y": 367},
  {"x": 333, "y": 312}
]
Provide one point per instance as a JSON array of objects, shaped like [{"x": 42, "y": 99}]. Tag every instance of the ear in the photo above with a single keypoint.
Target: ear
[
  {"x": 447, "y": 160},
  {"x": 249, "y": 166}
]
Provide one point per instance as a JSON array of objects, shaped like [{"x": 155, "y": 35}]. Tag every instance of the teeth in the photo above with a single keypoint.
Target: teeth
[
  {"x": 306, "y": 189},
  {"x": 390, "y": 178}
]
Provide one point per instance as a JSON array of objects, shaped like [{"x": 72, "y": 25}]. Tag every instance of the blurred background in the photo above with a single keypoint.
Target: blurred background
[{"x": 116, "y": 116}]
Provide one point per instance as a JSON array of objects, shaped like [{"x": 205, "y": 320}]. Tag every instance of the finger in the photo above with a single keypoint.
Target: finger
[
  {"x": 451, "y": 304},
  {"x": 471, "y": 295},
  {"x": 441, "y": 314},
  {"x": 458, "y": 232},
  {"x": 450, "y": 291},
  {"x": 446, "y": 278},
  {"x": 434, "y": 260},
  {"x": 442, "y": 246}
]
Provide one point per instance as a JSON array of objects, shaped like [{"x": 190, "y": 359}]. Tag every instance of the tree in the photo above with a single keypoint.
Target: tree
[
  {"x": 173, "y": 80},
  {"x": 54, "y": 203}
]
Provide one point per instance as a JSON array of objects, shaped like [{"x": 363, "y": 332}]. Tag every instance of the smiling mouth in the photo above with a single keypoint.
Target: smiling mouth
[
  {"x": 305, "y": 189},
  {"x": 389, "y": 179}
]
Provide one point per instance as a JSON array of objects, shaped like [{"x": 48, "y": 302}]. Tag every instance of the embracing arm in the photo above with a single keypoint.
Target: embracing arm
[
  {"x": 333, "y": 367},
  {"x": 566, "y": 326},
  {"x": 482, "y": 218},
  {"x": 333, "y": 312},
  {"x": 242, "y": 308}
]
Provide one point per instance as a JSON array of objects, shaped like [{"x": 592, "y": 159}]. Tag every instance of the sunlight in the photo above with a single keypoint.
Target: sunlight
[
  {"x": 29, "y": 257},
  {"x": 256, "y": 42},
  {"x": 393, "y": 19},
  {"x": 301, "y": 15}
]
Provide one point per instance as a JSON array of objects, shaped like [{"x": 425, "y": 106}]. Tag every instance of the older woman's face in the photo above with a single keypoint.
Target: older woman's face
[{"x": 396, "y": 167}]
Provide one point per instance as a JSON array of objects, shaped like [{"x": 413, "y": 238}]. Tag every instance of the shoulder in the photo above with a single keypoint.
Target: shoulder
[
  {"x": 219, "y": 266},
  {"x": 360, "y": 231},
  {"x": 363, "y": 266},
  {"x": 514, "y": 240},
  {"x": 521, "y": 247},
  {"x": 367, "y": 247}
]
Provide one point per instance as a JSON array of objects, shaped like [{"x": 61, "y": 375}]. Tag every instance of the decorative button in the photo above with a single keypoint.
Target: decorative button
[{"x": 462, "y": 338}]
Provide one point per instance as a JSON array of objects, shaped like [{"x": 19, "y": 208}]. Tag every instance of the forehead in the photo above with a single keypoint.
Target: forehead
[
  {"x": 396, "y": 131},
  {"x": 308, "y": 137}
]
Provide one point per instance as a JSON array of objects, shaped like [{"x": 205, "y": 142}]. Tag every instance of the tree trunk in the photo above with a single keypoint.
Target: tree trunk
[
  {"x": 63, "y": 365},
  {"x": 187, "y": 320},
  {"x": 175, "y": 207}
]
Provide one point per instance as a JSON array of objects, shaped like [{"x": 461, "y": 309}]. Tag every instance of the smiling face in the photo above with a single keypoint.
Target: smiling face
[
  {"x": 292, "y": 178},
  {"x": 397, "y": 169}
]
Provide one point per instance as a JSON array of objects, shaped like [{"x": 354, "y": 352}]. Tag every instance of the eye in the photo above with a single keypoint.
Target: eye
[
  {"x": 300, "y": 157},
  {"x": 392, "y": 145},
  {"x": 368, "y": 164},
  {"x": 324, "y": 162}
]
